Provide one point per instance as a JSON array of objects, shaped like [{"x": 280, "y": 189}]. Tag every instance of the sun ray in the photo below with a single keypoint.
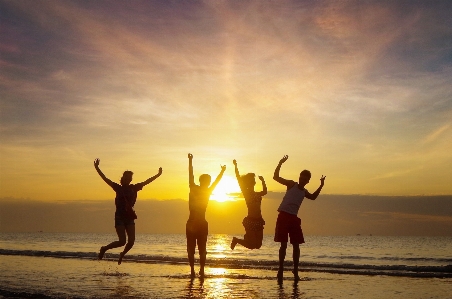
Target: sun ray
[{"x": 226, "y": 190}]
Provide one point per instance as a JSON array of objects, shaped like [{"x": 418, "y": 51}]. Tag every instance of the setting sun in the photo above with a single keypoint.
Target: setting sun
[{"x": 226, "y": 190}]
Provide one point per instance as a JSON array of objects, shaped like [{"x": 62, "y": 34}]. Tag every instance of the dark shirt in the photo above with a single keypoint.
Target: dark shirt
[{"x": 125, "y": 195}]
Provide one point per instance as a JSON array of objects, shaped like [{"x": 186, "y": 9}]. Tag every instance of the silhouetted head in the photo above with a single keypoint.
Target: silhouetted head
[
  {"x": 248, "y": 180},
  {"x": 305, "y": 176},
  {"x": 126, "y": 178},
  {"x": 204, "y": 180}
]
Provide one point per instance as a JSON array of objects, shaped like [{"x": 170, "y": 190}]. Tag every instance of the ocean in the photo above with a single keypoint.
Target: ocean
[{"x": 64, "y": 265}]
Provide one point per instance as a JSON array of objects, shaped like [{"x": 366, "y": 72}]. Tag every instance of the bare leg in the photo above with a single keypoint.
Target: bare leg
[
  {"x": 130, "y": 229},
  {"x": 258, "y": 237},
  {"x": 296, "y": 259},
  {"x": 245, "y": 243},
  {"x": 234, "y": 242},
  {"x": 251, "y": 240},
  {"x": 191, "y": 247},
  {"x": 121, "y": 232},
  {"x": 202, "y": 248},
  {"x": 282, "y": 256}
]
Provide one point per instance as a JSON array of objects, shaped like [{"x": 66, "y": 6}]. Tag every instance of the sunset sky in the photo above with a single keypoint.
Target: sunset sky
[{"x": 359, "y": 91}]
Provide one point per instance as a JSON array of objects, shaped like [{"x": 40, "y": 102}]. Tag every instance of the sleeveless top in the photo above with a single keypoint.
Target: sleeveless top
[{"x": 292, "y": 200}]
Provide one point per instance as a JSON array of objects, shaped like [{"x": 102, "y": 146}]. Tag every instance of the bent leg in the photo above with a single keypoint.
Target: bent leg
[
  {"x": 130, "y": 229},
  {"x": 258, "y": 237},
  {"x": 251, "y": 240},
  {"x": 121, "y": 232},
  {"x": 246, "y": 242}
]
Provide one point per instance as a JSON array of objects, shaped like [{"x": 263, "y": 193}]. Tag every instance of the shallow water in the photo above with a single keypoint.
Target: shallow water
[{"x": 64, "y": 266}]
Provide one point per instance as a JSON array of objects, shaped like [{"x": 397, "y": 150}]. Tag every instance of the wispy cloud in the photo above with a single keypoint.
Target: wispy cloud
[
  {"x": 436, "y": 134},
  {"x": 357, "y": 90}
]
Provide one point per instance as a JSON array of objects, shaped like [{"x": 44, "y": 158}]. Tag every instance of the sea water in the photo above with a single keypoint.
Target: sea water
[{"x": 64, "y": 265}]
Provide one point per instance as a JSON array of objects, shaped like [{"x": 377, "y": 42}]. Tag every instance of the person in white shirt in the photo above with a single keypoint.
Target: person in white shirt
[{"x": 288, "y": 224}]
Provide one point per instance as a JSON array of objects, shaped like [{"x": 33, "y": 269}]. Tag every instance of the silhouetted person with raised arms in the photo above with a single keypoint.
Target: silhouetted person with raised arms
[
  {"x": 126, "y": 196},
  {"x": 253, "y": 223},
  {"x": 288, "y": 223},
  {"x": 197, "y": 227}
]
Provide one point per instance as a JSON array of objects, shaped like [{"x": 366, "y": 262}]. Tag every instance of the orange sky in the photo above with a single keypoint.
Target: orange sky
[{"x": 357, "y": 91}]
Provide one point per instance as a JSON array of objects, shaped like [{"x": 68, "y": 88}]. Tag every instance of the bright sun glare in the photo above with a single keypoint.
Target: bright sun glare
[{"x": 226, "y": 186}]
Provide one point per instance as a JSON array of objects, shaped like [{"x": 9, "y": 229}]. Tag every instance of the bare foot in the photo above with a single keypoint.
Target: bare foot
[
  {"x": 233, "y": 243},
  {"x": 193, "y": 274},
  {"x": 121, "y": 256},
  {"x": 101, "y": 253},
  {"x": 201, "y": 273}
]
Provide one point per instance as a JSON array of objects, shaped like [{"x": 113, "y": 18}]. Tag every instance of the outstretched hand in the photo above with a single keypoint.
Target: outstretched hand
[
  {"x": 160, "y": 171},
  {"x": 284, "y": 159},
  {"x": 234, "y": 162},
  {"x": 223, "y": 167},
  {"x": 96, "y": 162},
  {"x": 190, "y": 156},
  {"x": 261, "y": 178},
  {"x": 322, "y": 179}
]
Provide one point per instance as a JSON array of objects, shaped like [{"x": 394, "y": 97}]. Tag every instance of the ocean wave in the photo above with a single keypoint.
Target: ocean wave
[
  {"x": 337, "y": 268},
  {"x": 387, "y": 258}
]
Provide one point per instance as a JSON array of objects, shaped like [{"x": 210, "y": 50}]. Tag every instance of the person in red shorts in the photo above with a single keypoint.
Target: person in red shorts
[
  {"x": 197, "y": 227},
  {"x": 288, "y": 224}
]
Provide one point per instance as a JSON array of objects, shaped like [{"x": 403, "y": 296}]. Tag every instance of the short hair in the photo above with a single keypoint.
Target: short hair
[
  {"x": 205, "y": 178},
  {"x": 306, "y": 173},
  {"x": 127, "y": 173}
]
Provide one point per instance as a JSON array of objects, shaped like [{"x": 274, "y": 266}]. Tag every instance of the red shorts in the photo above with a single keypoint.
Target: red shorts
[{"x": 288, "y": 224}]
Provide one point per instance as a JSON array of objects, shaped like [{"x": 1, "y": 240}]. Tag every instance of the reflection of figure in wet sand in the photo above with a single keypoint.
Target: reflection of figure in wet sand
[
  {"x": 253, "y": 223},
  {"x": 288, "y": 223},
  {"x": 197, "y": 227},
  {"x": 126, "y": 196},
  {"x": 295, "y": 292},
  {"x": 192, "y": 291}
]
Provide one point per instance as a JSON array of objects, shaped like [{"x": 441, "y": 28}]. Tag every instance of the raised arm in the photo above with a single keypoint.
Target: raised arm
[
  {"x": 153, "y": 178},
  {"x": 191, "y": 178},
  {"x": 217, "y": 180},
  {"x": 237, "y": 174},
  {"x": 106, "y": 180},
  {"x": 264, "y": 186},
  {"x": 314, "y": 195},
  {"x": 276, "y": 176}
]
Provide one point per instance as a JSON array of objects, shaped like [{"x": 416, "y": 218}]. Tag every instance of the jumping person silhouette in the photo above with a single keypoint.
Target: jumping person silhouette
[
  {"x": 126, "y": 196},
  {"x": 288, "y": 223},
  {"x": 253, "y": 223},
  {"x": 197, "y": 227}
]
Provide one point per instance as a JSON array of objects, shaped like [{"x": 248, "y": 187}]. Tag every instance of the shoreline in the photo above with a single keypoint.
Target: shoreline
[{"x": 50, "y": 278}]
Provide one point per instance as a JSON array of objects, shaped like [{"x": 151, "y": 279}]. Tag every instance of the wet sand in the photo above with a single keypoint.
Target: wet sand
[{"x": 44, "y": 277}]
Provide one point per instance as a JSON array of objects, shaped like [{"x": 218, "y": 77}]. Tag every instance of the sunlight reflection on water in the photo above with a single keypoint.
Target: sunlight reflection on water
[{"x": 220, "y": 244}]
